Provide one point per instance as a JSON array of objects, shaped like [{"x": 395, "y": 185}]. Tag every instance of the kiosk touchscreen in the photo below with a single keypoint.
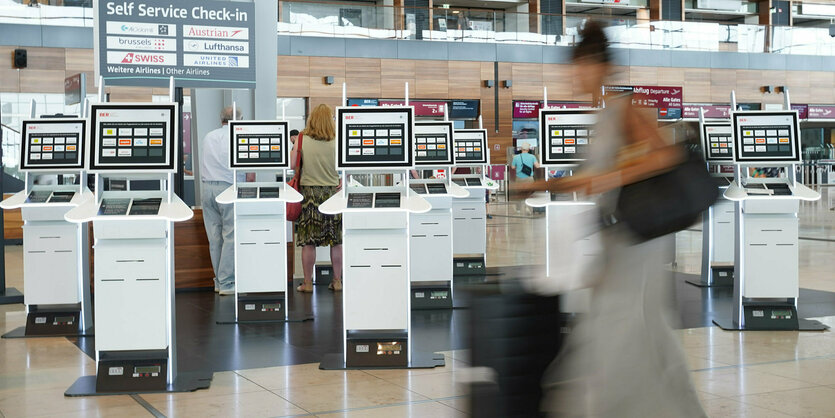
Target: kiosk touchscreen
[
  {"x": 375, "y": 238},
  {"x": 766, "y": 237},
  {"x": 718, "y": 221},
  {"x": 56, "y": 272},
  {"x": 260, "y": 219},
  {"x": 431, "y": 232},
  {"x": 472, "y": 153},
  {"x": 134, "y": 251},
  {"x": 566, "y": 135}
]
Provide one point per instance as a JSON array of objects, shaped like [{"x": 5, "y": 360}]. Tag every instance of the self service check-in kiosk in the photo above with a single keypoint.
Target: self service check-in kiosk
[
  {"x": 56, "y": 273},
  {"x": 718, "y": 220},
  {"x": 564, "y": 135},
  {"x": 260, "y": 220},
  {"x": 766, "y": 235},
  {"x": 469, "y": 214},
  {"x": 375, "y": 234},
  {"x": 134, "y": 250},
  {"x": 431, "y": 232}
]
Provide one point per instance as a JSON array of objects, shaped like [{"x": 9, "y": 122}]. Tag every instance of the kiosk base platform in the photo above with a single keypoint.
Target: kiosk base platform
[
  {"x": 335, "y": 361},
  {"x": 20, "y": 332},
  {"x": 723, "y": 276},
  {"x": 431, "y": 295},
  {"x": 469, "y": 266},
  {"x": 322, "y": 274},
  {"x": 10, "y": 296},
  {"x": 185, "y": 382},
  {"x": 769, "y": 317}
]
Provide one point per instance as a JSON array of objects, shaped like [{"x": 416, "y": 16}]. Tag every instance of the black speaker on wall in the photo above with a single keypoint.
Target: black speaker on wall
[{"x": 19, "y": 58}]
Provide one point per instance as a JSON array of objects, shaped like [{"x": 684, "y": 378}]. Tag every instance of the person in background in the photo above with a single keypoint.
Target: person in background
[
  {"x": 216, "y": 176},
  {"x": 622, "y": 359},
  {"x": 524, "y": 162},
  {"x": 319, "y": 182},
  {"x": 294, "y": 135}
]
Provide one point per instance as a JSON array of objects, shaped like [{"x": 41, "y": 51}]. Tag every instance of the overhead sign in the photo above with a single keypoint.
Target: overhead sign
[
  {"x": 73, "y": 87},
  {"x": 421, "y": 108},
  {"x": 821, "y": 112},
  {"x": 464, "y": 109},
  {"x": 200, "y": 43},
  {"x": 652, "y": 96},
  {"x": 669, "y": 113},
  {"x": 802, "y": 110},
  {"x": 524, "y": 109},
  {"x": 691, "y": 111},
  {"x": 362, "y": 102}
]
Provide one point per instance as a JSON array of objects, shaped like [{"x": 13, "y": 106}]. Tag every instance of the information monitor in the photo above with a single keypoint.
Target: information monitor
[
  {"x": 258, "y": 144},
  {"x": 375, "y": 137},
  {"x": 565, "y": 135},
  {"x": 470, "y": 147},
  {"x": 766, "y": 137},
  {"x": 133, "y": 137},
  {"x": 433, "y": 144},
  {"x": 717, "y": 141},
  {"x": 53, "y": 144}
]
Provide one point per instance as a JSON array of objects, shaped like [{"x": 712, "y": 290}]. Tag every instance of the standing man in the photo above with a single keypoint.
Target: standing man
[
  {"x": 216, "y": 176},
  {"x": 294, "y": 135},
  {"x": 524, "y": 163}
]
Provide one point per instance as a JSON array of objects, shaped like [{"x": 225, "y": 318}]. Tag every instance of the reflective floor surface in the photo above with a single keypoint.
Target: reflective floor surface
[{"x": 272, "y": 370}]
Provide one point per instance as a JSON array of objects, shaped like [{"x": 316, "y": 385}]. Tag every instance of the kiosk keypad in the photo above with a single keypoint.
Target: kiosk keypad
[
  {"x": 387, "y": 200},
  {"x": 569, "y": 142},
  {"x": 132, "y": 142},
  {"x": 111, "y": 207},
  {"x": 767, "y": 141},
  {"x": 247, "y": 192},
  {"x": 360, "y": 200},
  {"x": 430, "y": 148},
  {"x": 53, "y": 149},
  {"x": 61, "y": 197},
  {"x": 719, "y": 145},
  {"x": 145, "y": 206},
  {"x": 268, "y": 192}
]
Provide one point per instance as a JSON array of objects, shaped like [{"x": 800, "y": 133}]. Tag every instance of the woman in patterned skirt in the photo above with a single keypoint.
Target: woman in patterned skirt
[{"x": 318, "y": 183}]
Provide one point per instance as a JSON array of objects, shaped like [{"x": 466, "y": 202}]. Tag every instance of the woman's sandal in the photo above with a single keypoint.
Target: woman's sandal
[
  {"x": 303, "y": 289},
  {"x": 336, "y": 285}
]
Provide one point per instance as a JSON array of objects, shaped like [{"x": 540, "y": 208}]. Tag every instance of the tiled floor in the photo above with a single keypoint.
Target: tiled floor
[{"x": 737, "y": 374}]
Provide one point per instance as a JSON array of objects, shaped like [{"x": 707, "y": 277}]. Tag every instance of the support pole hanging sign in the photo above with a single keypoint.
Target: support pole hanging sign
[{"x": 200, "y": 43}]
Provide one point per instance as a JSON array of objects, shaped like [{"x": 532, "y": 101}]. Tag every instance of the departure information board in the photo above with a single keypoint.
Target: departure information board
[
  {"x": 53, "y": 144},
  {"x": 433, "y": 143},
  {"x": 470, "y": 146},
  {"x": 375, "y": 137},
  {"x": 717, "y": 141},
  {"x": 133, "y": 137},
  {"x": 766, "y": 137},
  {"x": 258, "y": 144},
  {"x": 565, "y": 135}
]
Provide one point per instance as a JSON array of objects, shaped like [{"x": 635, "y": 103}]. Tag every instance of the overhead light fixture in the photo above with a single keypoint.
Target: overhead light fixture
[
  {"x": 507, "y": 83},
  {"x": 455, "y": 12},
  {"x": 329, "y": 80},
  {"x": 488, "y": 83}
]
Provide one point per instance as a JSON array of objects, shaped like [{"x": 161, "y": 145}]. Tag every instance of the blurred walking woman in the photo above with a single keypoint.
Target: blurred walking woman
[
  {"x": 623, "y": 358},
  {"x": 318, "y": 183}
]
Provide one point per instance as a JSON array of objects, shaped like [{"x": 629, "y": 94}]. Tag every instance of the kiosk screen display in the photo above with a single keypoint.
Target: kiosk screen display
[
  {"x": 258, "y": 144},
  {"x": 717, "y": 141},
  {"x": 565, "y": 135},
  {"x": 134, "y": 137},
  {"x": 53, "y": 144},
  {"x": 470, "y": 147},
  {"x": 375, "y": 137},
  {"x": 433, "y": 143},
  {"x": 766, "y": 137}
]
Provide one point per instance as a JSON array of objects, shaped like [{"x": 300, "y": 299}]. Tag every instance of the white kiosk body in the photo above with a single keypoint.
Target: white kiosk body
[
  {"x": 431, "y": 232},
  {"x": 133, "y": 146},
  {"x": 766, "y": 284},
  {"x": 718, "y": 221},
  {"x": 56, "y": 259},
  {"x": 564, "y": 137},
  {"x": 260, "y": 219},
  {"x": 375, "y": 238},
  {"x": 469, "y": 214}
]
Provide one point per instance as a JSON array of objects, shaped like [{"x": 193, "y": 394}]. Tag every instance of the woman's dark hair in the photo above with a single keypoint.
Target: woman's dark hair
[{"x": 594, "y": 44}]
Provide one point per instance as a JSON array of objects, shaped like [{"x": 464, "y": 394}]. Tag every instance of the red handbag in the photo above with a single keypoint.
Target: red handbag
[{"x": 294, "y": 210}]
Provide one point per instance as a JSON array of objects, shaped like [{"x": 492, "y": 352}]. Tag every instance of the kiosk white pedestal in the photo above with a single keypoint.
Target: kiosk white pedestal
[
  {"x": 135, "y": 344},
  {"x": 56, "y": 259},
  {"x": 469, "y": 214},
  {"x": 432, "y": 245},
  {"x": 718, "y": 221},
  {"x": 260, "y": 221},
  {"x": 375, "y": 240},
  {"x": 766, "y": 273}
]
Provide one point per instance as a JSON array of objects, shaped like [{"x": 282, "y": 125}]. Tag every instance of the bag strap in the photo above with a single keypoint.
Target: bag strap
[{"x": 298, "y": 164}]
